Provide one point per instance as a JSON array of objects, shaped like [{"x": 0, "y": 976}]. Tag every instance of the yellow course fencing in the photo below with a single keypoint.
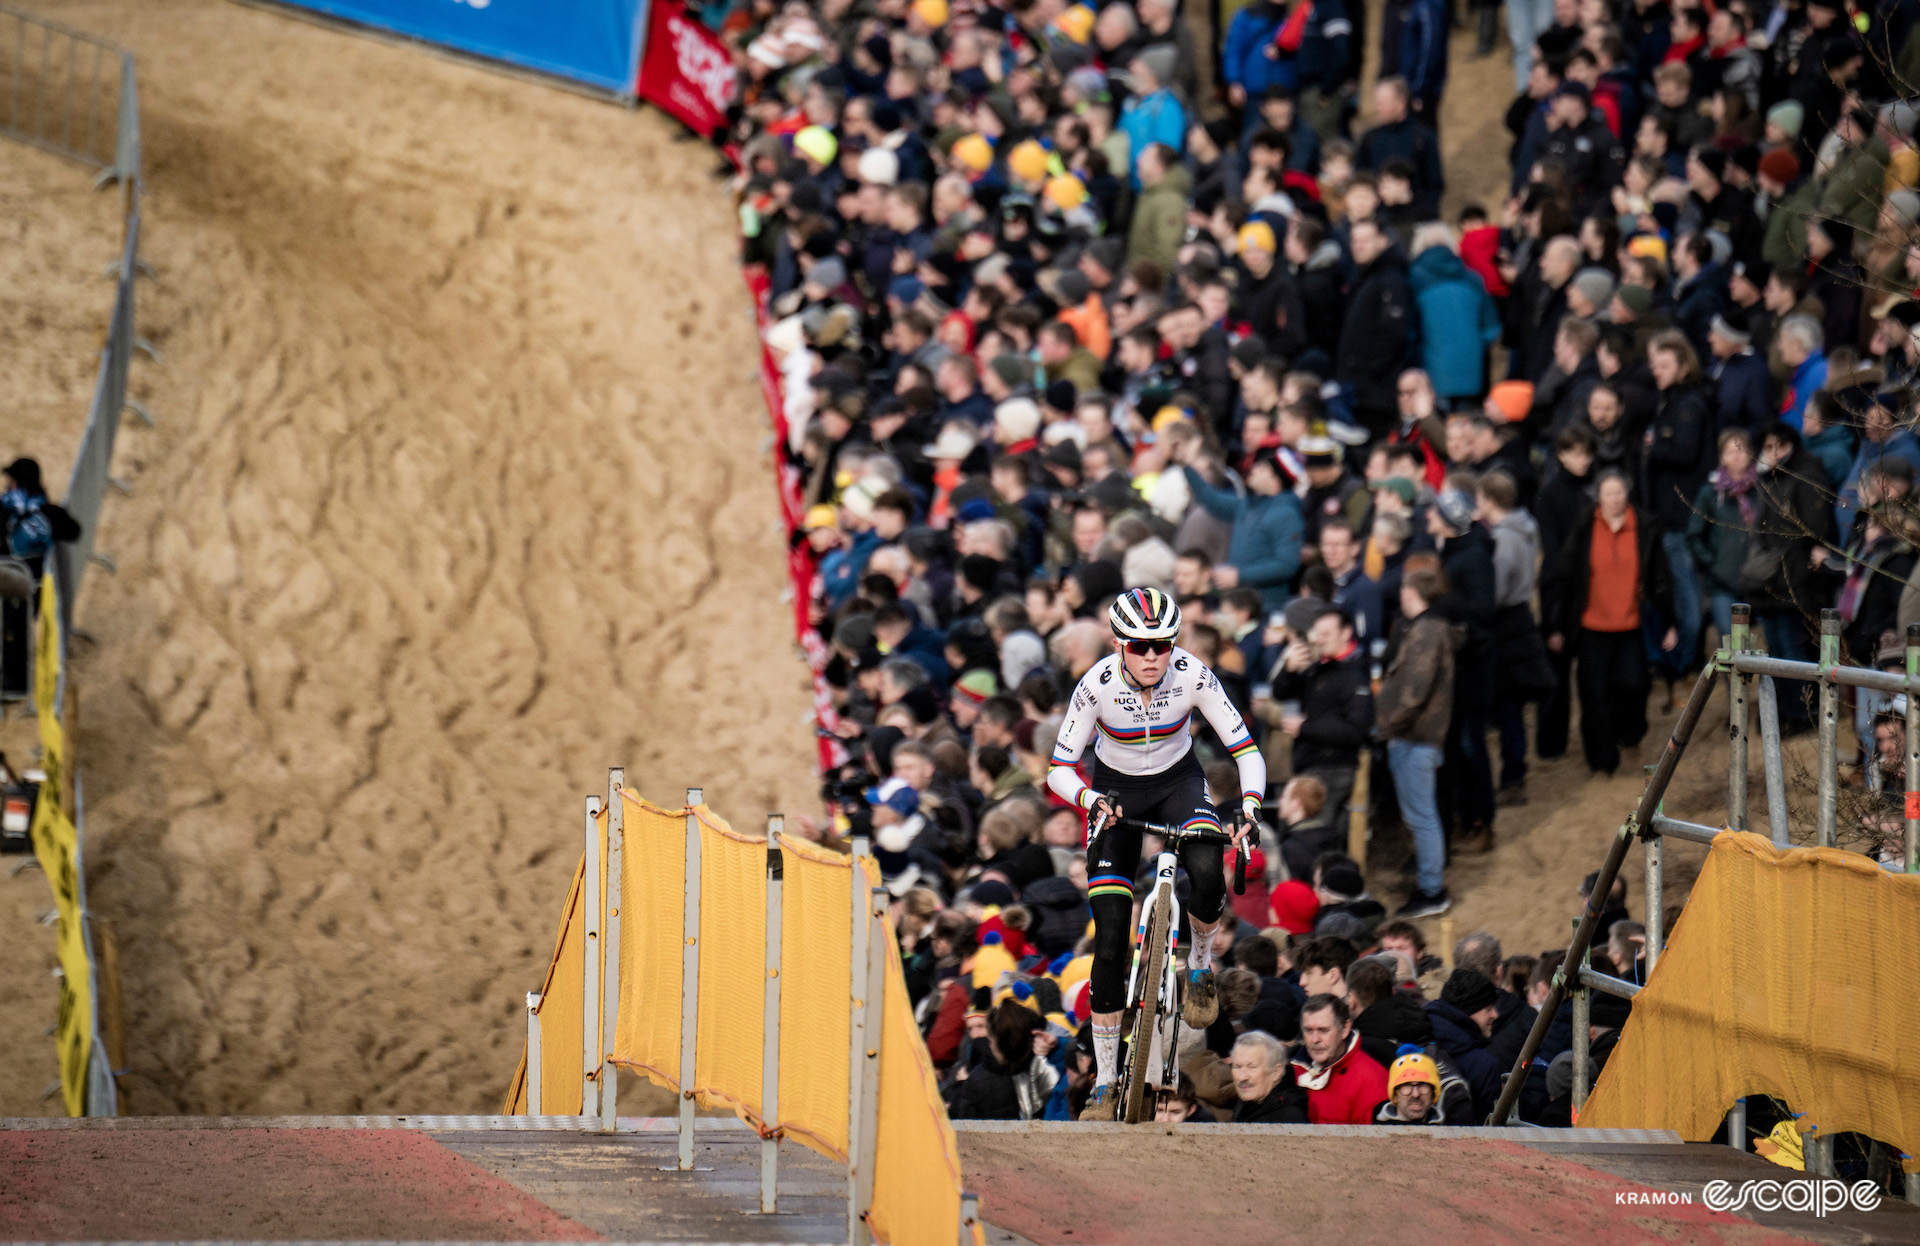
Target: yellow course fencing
[
  {"x": 916, "y": 1195},
  {"x": 1786, "y": 975}
]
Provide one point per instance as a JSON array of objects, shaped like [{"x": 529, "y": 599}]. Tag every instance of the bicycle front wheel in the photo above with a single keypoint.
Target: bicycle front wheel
[{"x": 1135, "y": 1103}]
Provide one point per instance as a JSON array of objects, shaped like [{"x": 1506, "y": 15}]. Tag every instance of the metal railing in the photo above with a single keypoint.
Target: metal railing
[
  {"x": 1750, "y": 676},
  {"x": 68, "y": 92},
  {"x": 73, "y": 94}
]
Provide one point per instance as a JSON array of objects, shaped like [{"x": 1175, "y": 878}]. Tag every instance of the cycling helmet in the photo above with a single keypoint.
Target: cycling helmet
[{"x": 1144, "y": 614}]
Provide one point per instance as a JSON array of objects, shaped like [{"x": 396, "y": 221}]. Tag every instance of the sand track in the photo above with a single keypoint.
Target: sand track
[{"x": 458, "y": 497}]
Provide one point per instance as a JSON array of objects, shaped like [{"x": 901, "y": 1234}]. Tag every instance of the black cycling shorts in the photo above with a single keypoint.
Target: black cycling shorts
[{"x": 1176, "y": 796}]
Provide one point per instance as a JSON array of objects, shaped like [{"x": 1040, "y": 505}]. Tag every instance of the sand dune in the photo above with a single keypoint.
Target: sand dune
[{"x": 458, "y": 497}]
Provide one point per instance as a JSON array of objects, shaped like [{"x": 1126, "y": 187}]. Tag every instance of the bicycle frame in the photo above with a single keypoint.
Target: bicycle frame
[{"x": 1163, "y": 1058}]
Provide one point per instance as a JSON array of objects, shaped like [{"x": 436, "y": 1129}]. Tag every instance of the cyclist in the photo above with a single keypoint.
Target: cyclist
[{"x": 1133, "y": 706}]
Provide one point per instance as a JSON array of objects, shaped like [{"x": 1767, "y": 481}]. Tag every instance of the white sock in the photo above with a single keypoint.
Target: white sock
[
  {"x": 1200, "y": 955},
  {"x": 1106, "y": 1053}
]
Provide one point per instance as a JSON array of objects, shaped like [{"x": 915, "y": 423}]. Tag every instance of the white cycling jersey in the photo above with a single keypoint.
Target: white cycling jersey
[{"x": 1135, "y": 733}]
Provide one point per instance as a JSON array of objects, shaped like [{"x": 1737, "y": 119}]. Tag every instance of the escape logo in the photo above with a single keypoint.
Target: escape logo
[{"x": 1796, "y": 1194}]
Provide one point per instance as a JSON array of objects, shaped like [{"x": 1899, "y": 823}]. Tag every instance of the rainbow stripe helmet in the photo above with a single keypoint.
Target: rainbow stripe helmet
[{"x": 1144, "y": 614}]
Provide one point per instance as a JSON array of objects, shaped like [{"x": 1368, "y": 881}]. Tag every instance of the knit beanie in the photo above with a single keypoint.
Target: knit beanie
[
  {"x": 1469, "y": 991},
  {"x": 1595, "y": 285},
  {"x": 1780, "y": 165},
  {"x": 1788, "y": 115}
]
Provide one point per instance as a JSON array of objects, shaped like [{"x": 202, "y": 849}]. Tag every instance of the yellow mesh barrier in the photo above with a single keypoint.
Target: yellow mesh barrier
[
  {"x": 916, "y": 1170},
  {"x": 816, "y": 972},
  {"x": 560, "y": 1016},
  {"x": 733, "y": 953},
  {"x": 652, "y": 904},
  {"x": 1762, "y": 990}
]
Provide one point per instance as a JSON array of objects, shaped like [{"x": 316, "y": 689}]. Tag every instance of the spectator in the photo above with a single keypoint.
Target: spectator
[
  {"x": 1679, "y": 457},
  {"x": 1380, "y": 327},
  {"x": 1326, "y": 673},
  {"x": 1523, "y": 673},
  {"x": 1418, "y": 1095},
  {"x": 1262, "y": 1081},
  {"x": 1722, "y": 524},
  {"x": 1466, "y": 559},
  {"x": 1612, "y": 568},
  {"x": 1463, "y": 1019},
  {"x": 1458, "y": 319},
  {"x": 1416, "y": 704},
  {"x": 1264, "y": 551},
  {"x": 1342, "y": 1084}
]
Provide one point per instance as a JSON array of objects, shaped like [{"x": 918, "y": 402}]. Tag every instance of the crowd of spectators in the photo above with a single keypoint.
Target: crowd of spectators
[{"x": 1068, "y": 299}]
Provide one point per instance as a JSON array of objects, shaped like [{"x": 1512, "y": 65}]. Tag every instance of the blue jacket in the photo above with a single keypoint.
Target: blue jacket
[
  {"x": 1324, "y": 55},
  {"x": 1156, "y": 118},
  {"x": 1901, "y": 445},
  {"x": 1244, "y": 61},
  {"x": 841, "y": 569},
  {"x": 23, "y": 519},
  {"x": 1745, "y": 391},
  {"x": 1802, "y": 385},
  {"x": 927, "y": 647},
  {"x": 1833, "y": 448},
  {"x": 1267, "y": 532},
  {"x": 1423, "y": 48},
  {"x": 1458, "y": 321}
]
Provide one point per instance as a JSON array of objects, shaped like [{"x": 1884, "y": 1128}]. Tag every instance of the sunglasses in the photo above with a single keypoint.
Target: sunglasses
[{"x": 1141, "y": 648}]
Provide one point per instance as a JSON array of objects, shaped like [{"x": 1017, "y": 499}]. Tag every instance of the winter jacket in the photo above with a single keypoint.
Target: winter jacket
[
  {"x": 1416, "y": 696},
  {"x": 1516, "y": 557},
  {"x": 841, "y": 569},
  {"x": 1160, "y": 220},
  {"x": 1244, "y": 61},
  {"x": 1744, "y": 393},
  {"x": 1413, "y": 142},
  {"x": 1901, "y": 444},
  {"x": 1336, "y": 699},
  {"x": 1423, "y": 48},
  {"x": 1284, "y": 1105},
  {"x": 1349, "y": 1090},
  {"x": 1059, "y": 914},
  {"x": 1833, "y": 447},
  {"x": 1467, "y": 562},
  {"x": 1265, "y": 546},
  {"x": 1794, "y": 516},
  {"x": 1377, "y": 335},
  {"x": 1325, "y": 58},
  {"x": 1696, "y": 302},
  {"x": 1809, "y": 376},
  {"x": 1680, "y": 457},
  {"x": 24, "y": 522},
  {"x": 1323, "y": 298},
  {"x": 1563, "y": 595},
  {"x": 1456, "y": 1034},
  {"x": 1511, "y": 1026},
  {"x": 1271, "y": 307},
  {"x": 1563, "y": 500},
  {"x": 1155, "y": 118},
  {"x": 1717, "y": 538},
  {"x": 1458, "y": 321}
]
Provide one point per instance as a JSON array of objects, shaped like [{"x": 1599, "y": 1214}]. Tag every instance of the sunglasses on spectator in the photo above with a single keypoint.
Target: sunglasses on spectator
[{"x": 1141, "y": 648}]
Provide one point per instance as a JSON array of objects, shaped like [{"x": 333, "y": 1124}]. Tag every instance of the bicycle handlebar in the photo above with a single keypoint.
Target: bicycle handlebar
[{"x": 1176, "y": 834}]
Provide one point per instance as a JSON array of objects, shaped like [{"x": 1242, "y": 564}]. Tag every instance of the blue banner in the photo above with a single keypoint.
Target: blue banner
[{"x": 593, "y": 41}]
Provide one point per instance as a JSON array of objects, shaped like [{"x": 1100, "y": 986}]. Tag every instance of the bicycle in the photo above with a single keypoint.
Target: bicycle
[{"x": 1155, "y": 986}]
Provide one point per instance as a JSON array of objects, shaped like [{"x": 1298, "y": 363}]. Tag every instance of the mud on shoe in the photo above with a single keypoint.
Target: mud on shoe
[
  {"x": 1203, "y": 999},
  {"x": 1102, "y": 1105}
]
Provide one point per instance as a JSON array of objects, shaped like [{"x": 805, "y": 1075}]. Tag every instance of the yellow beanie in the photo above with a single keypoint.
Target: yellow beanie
[
  {"x": 973, "y": 153},
  {"x": 1165, "y": 417},
  {"x": 822, "y": 516},
  {"x": 1257, "y": 236},
  {"x": 1028, "y": 161},
  {"x": 1414, "y": 1066},
  {"x": 818, "y": 142},
  {"x": 932, "y": 12},
  {"x": 1076, "y": 23},
  {"x": 1066, "y": 192}
]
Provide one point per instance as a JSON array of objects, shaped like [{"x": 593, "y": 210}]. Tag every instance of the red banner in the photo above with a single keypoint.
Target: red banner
[
  {"x": 686, "y": 70},
  {"x": 799, "y": 566}
]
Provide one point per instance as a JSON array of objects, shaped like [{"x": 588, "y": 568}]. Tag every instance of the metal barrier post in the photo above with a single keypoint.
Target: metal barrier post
[
  {"x": 1913, "y": 1186},
  {"x": 875, "y": 972},
  {"x": 770, "y": 1031},
  {"x": 1737, "y": 1125},
  {"x": 1651, "y": 849},
  {"x": 856, "y": 1035},
  {"x": 1737, "y": 723},
  {"x": 1770, "y": 762},
  {"x": 533, "y": 1053},
  {"x": 590, "y": 961},
  {"x": 969, "y": 1216},
  {"x": 689, "y": 979},
  {"x": 1829, "y": 785},
  {"x": 610, "y": 954},
  {"x": 1910, "y": 858},
  {"x": 1582, "y": 1014}
]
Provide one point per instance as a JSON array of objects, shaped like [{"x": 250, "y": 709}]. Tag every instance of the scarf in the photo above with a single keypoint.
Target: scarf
[
  {"x": 1854, "y": 591},
  {"x": 1314, "y": 1076},
  {"x": 1740, "y": 489}
]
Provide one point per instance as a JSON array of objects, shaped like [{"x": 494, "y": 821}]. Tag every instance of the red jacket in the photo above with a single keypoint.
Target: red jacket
[
  {"x": 1351, "y": 1091},
  {"x": 1480, "y": 251}
]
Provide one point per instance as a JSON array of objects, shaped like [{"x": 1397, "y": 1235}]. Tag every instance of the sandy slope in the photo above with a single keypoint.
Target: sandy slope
[{"x": 457, "y": 498}]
